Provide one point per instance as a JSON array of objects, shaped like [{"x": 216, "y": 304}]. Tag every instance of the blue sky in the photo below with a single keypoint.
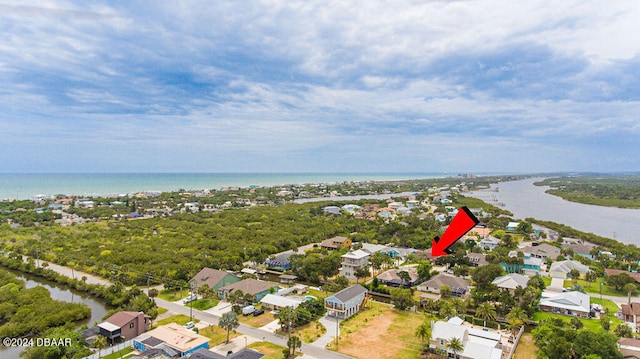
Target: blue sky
[{"x": 319, "y": 86}]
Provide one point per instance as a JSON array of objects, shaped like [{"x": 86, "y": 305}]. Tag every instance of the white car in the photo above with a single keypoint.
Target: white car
[
  {"x": 189, "y": 299},
  {"x": 189, "y": 325}
]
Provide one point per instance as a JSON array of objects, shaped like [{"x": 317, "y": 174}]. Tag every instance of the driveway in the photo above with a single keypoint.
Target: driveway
[{"x": 333, "y": 330}]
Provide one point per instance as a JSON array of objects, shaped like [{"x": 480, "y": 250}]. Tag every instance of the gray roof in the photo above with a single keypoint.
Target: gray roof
[
  {"x": 511, "y": 281},
  {"x": 209, "y": 276},
  {"x": 349, "y": 293},
  {"x": 244, "y": 353},
  {"x": 452, "y": 281}
]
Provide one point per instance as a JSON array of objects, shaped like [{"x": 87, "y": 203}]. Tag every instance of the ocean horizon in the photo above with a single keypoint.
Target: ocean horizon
[{"x": 27, "y": 185}]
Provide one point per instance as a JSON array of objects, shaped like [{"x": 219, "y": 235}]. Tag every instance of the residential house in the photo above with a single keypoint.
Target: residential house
[
  {"x": 254, "y": 287},
  {"x": 477, "y": 259},
  {"x": 512, "y": 226},
  {"x": 561, "y": 269},
  {"x": 372, "y": 248},
  {"x": 213, "y": 278},
  {"x": 609, "y": 272},
  {"x": 480, "y": 230},
  {"x": 172, "y": 336},
  {"x": 352, "y": 261},
  {"x": 477, "y": 344},
  {"x": 544, "y": 251},
  {"x": 277, "y": 302},
  {"x": 580, "y": 249},
  {"x": 331, "y": 210},
  {"x": 280, "y": 261},
  {"x": 392, "y": 277},
  {"x": 399, "y": 252},
  {"x": 351, "y": 208},
  {"x": 244, "y": 353},
  {"x": 124, "y": 325},
  {"x": 630, "y": 313},
  {"x": 336, "y": 243},
  {"x": 346, "y": 302},
  {"x": 489, "y": 243},
  {"x": 629, "y": 348},
  {"x": 459, "y": 286},
  {"x": 532, "y": 265},
  {"x": 567, "y": 303},
  {"x": 511, "y": 281}
]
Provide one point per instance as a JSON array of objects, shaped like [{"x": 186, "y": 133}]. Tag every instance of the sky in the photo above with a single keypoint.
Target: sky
[{"x": 319, "y": 86}]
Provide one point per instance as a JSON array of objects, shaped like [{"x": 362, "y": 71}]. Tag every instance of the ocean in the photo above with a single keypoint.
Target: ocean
[{"x": 26, "y": 186}]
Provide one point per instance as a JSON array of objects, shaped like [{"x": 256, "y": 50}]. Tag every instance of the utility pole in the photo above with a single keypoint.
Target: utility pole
[
  {"x": 149, "y": 276},
  {"x": 337, "y": 330},
  {"x": 192, "y": 289}
]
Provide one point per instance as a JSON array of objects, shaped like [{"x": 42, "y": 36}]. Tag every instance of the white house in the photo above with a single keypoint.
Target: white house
[
  {"x": 511, "y": 281},
  {"x": 346, "y": 302},
  {"x": 352, "y": 261},
  {"x": 568, "y": 303},
  {"x": 561, "y": 269},
  {"x": 477, "y": 344}
]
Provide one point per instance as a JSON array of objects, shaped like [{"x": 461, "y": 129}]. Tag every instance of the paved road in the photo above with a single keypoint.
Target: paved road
[{"x": 310, "y": 351}]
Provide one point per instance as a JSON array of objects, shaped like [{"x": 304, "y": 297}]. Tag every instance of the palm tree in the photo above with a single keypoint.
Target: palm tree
[
  {"x": 404, "y": 277},
  {"x": 423, "y": 332},
  {"x": 516, "y": 318},
  {"x": 486, "y": 311},
  {"x": 629, "y": 288},
  {"x": 229, "y": 321},
  {"x": 99, "y": 343},
  {"x": 447, "y": 310},
  {"x": 455, "y": 345}
]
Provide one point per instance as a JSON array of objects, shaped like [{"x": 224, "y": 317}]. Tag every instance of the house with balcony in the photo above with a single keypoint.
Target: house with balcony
[
  {"x": 336, "y": 243},
  {"x": 346, "y": 302},
  {"x": 352, "y": 261},
  {"x": 124, "y": 325}
]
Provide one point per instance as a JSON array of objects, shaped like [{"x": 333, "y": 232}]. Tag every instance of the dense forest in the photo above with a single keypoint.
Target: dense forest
[
  {"x": 603, "y": 190},
  {"x": 31, "y": 311}
]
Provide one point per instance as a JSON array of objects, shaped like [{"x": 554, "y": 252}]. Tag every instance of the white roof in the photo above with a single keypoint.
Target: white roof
[
  {"x": 513, "y": 224},
  {"x": 358, "y": 254},
  {"x": 108, "y": 326},
  {"x": 372, "y": 248},
  {"x": 455, "y": 320},
  {"x": 480, "y": 351},
  {"x": 280, "y": 301},
  {"x": 567, "y": 266},
  {"x": 511, "y": 281},
  {"x": 444, "y": 330},
  {"x": 533, "y": 261},
  {"x": 574, "y": 301}
]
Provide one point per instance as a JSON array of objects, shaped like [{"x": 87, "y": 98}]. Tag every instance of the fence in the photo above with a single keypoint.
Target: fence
[
  {"x": 110, "y": 350},
  {"x": 515, "y": 342}
]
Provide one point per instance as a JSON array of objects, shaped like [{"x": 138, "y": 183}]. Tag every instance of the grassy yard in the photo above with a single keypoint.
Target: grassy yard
[
  {"x": 311, "y": 332},
  {"x": 162, "y": 310},
  {"x": 526, "y": 347},
  {"x": 611, "y": 307},
  {"x": 318, "y": 293},
  {"x": 258, "y": 321},
  {"x": 124, "y": 353},
  {"x": 366, "y": 335},
  {"x": 270, "y": 350},
  {"x": 590, "y": 324},
  {"x": 204, "y": 303},
  {"x": 178, "y": 319},
  {"x": 216, "y": 335},
  {"x": 355, "y": 323},
  {"x": 173, "y": 295}
]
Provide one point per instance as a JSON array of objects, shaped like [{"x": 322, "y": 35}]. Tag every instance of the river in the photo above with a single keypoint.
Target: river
[
  {"x": 58, "y": 292},
  {"x": 524, "y": 199}
]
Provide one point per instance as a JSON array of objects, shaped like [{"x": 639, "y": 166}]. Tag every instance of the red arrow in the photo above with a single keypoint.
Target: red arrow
[{"x": 461, "y": 224}]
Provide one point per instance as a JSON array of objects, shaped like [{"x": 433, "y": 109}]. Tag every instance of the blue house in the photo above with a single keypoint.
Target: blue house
[
  {"x": 280, "y": 261},
  {"x": 346, "y": 302}
]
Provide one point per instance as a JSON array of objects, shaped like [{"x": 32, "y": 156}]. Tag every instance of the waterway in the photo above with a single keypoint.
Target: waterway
[
  {"x": 524, "y": 199},
  {"x": 58, "y": 292}
]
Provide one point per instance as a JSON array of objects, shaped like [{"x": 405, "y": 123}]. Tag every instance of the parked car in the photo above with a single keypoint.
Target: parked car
[
  {"x": 248, "y": 309},
  {"x": 258, "y": 312},
  {"x": 189, "y": 325},
  {"x": 190, "y": 299}
]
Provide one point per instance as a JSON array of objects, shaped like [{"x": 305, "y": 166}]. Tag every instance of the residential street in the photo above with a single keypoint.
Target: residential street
[{"x": 309, "y": 350}]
